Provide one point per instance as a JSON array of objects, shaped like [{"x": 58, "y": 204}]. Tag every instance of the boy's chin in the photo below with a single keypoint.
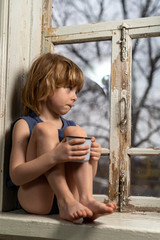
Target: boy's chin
[{"x": 64, "y": 112}]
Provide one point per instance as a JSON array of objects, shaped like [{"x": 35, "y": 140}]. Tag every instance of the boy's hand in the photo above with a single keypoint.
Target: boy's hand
[
  {"x": 70, "y": 151},
  {"x": 95, "y": 150}
]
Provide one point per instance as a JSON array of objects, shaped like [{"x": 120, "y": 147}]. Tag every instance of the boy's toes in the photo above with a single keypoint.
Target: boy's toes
[
  {"x": 112, "y": 205},
  {"x": 78, "y": 214},
  {"x": 109, "y": 209},
  {"x": 89, "y": 213},
  {"x": 83, "y": 213}
]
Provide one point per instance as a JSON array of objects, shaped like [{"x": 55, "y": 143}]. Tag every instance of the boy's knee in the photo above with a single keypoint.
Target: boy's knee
[
  {"x": 45, "y": 130},
  {"x": 75, "y": 131}
]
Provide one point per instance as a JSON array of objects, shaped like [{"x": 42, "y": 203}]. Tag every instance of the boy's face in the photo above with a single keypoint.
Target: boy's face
[{"x": 62, "y": 100}]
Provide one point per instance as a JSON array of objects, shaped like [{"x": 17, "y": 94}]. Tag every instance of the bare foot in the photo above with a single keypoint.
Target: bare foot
[
  {"x": 99, "y": 209},
  {"x": 73, "y": 211}
]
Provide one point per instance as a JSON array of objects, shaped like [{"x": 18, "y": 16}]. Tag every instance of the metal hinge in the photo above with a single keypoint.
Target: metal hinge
[{"x": 123, "y": 42}]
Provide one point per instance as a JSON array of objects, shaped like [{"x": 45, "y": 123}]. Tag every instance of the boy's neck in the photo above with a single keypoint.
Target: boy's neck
[{"x": 52, "y": 118}]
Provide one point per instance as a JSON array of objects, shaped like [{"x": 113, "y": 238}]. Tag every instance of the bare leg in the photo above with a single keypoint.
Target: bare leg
[
  {"x": 83, "y": 179},
  {"x": 37, "y": 195},
  {"x": 43, "y": 139}
]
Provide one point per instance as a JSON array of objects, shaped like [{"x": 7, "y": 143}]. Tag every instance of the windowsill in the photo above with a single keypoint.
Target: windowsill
[{"x": 20, "y": 225}]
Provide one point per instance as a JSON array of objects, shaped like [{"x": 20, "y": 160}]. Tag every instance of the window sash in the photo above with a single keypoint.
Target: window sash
[{"x": 120, "y": 106}]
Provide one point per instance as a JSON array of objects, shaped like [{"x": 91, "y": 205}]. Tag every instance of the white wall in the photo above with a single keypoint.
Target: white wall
[{"x": 20, "y": 43}]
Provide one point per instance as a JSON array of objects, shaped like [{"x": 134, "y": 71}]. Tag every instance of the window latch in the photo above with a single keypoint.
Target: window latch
[{"x": 123, "y": 111}]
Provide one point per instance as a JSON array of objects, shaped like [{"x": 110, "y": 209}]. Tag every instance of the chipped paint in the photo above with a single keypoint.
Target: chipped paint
[
  {"x": 46, "y": 24},
  {"x": 2, "y": 115},
  {"x": 120, "y": 119},
  {"x": 143, "y": 151}
]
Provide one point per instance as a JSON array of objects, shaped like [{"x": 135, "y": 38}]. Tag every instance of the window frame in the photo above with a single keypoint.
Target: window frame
[
  {"x": 146, "y": 27},
  {"x": 121, "y": 33}
]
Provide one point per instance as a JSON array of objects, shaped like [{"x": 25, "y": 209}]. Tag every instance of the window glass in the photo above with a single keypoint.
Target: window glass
[
  {"x": 145, "y": 171},
  {"x": 69, "y": 12},
  {"x": 145, "y": 176},
  {"x": 101, "y": 182},
  {"x": 145, "y": 93},
  {"x": 91, "y": 110}
]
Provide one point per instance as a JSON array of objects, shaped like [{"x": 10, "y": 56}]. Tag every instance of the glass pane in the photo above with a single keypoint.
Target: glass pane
[
  {"x": 91, "y": 110},
  {"x": 101, "y": 182},
  {"x": 145, "y": 176},
  {"x": 145, "y": 94},
  {"x": 69, "y": 12}
]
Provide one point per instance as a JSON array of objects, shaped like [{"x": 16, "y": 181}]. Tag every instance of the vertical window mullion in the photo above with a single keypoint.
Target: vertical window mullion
[
  {"x": 120, "y": 120},
  {"x": 114, "y": 161}
]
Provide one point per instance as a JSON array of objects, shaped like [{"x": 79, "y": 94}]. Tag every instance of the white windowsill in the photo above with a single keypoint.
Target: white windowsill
[{"x": 130, "y": 226}]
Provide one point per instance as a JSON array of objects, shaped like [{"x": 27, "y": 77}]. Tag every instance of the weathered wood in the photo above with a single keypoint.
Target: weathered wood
[
  {"x": 147, "y": 202},
  {"x": 114, "y": 162},
  {"x": 3, "y": 73},
  {"x": 21, "y": 35},
  {"x": 136, "y": 151},
  {"x": 105, "y": 152},
  {"x": 18, "y": 50},
  {"x": 144, "y": 27},
  {"x": 153, "y": 31},
  {"x": 105, "y": 26},
  {"x": 46, "y": 24},
  {"x": 120, "y": 126},
  {"x": 120, "y": 119},
  {"x": 144, "y": 151}
]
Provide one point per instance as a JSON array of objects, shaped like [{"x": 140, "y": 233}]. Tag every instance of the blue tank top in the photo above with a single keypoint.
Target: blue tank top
[{"x": 32, "y": 119}]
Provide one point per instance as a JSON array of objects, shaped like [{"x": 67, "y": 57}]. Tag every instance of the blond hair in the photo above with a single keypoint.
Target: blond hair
[{"x": 48, "y": 72}]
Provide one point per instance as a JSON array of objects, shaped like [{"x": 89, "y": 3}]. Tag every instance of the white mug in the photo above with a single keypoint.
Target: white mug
[{"x": 87, "y": 142}]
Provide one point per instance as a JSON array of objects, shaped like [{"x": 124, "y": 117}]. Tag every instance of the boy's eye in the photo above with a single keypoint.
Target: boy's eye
[{"x": 69, "y": 88}]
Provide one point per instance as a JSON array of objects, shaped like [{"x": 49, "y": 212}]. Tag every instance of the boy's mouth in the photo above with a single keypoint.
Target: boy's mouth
[{"x": 70, "y": 105}]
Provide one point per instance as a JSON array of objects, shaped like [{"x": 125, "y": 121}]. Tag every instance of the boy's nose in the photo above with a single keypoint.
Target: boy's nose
[{"x": 75, "y": 97}]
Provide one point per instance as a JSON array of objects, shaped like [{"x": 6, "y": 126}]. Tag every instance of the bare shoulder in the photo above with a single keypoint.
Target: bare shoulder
[
  {"x": 21, "y": 129},
  {"x": 20, "y": 136}
]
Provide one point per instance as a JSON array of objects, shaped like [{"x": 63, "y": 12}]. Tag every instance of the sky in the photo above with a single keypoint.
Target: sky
[{"x": 99, "y": 70}]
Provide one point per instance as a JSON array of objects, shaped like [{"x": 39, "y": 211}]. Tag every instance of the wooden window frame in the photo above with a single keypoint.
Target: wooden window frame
[{"x": 121, "y": 34}]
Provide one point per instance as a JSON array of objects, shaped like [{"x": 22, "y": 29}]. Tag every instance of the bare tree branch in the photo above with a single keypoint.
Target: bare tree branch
[
  {"x": 144, "y": 9},
  {"x": 147, "y": 137},
  {"x": 124, "y": 9},
  {"x": 153, "y": 61}
]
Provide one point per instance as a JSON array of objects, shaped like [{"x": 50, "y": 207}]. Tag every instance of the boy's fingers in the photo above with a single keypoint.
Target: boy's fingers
[
  {"x": 93, "y": 139},
  {"x": 76, "y": 141},
  {"x": 79, "y": 153},
  {"x": 79, "y": 147}
]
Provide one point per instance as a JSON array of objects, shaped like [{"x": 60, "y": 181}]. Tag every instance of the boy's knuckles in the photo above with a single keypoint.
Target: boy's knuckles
[{"x": 70, "y": 158}]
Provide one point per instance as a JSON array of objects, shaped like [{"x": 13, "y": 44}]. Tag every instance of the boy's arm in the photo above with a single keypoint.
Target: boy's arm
[{"x": 21, "y": 171}]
